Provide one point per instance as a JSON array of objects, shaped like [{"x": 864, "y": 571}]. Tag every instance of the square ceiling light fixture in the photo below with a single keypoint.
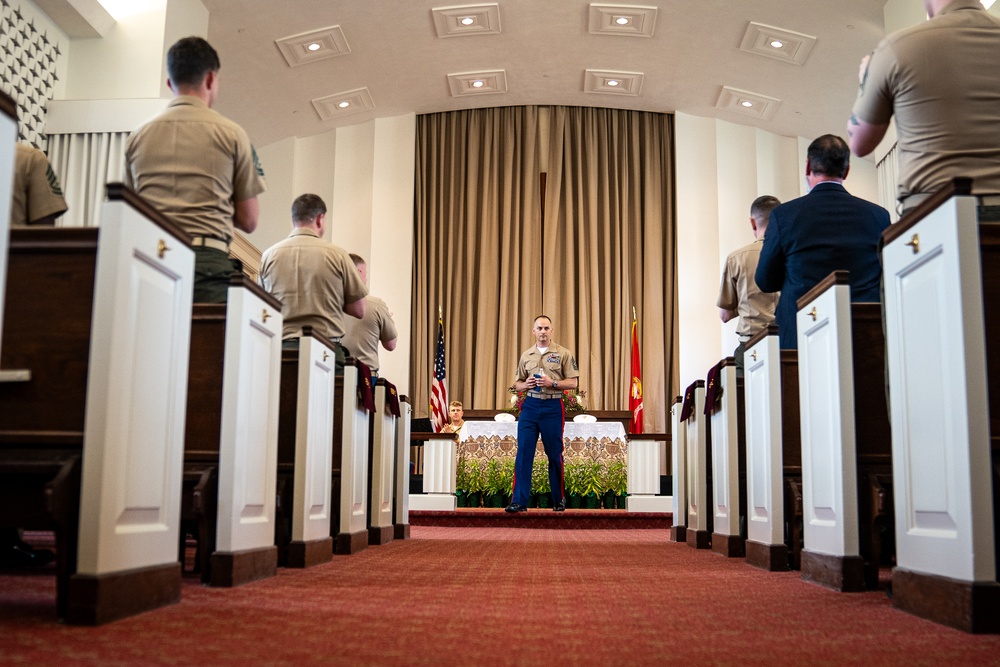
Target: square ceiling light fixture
[
  {"x": 311, "y": 46},
  {"x": 612, "y": 82},
  {"x": 778, "y": 43},
  {"x": 747, "y": 103},
  {"x": 467, "y": 20},
  {"x": 343, "y": 104},
  {"x": 478, "y": 83},
  {"x": 630, "y": 21}
]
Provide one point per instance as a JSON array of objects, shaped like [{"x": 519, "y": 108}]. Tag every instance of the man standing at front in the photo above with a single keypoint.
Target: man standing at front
[
  {"x": 197, "y": 167},
  {"x": 827, "y": 230},
  {"x": 315, "y": 281},
  {"x": 544, "y": 371}
]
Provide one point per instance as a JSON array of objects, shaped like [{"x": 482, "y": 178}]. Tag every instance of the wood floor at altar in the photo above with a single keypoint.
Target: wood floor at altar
[{"x": 544, "y": 518}]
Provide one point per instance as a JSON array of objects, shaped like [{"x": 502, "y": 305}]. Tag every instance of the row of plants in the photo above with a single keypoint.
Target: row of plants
[{"x": 589, "y": 484}]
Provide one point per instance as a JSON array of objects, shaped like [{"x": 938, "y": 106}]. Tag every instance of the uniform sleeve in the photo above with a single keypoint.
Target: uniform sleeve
[
  {"x": 248, "y": 176},
  {"x": 44, "y": 196},
  {"x": 728, "y": 298},
  {"x": 770, "y": 274},
  {"x": 388, "y": 332},
  {"x": 520, "y": 374},
  {"x": 875, "y": 93},
  {"x": 264, "y": 276},
  {"x": 570, "y": 369}
]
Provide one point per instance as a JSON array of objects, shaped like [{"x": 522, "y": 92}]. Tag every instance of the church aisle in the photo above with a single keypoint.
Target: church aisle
[{"x": 499, "y": 596}]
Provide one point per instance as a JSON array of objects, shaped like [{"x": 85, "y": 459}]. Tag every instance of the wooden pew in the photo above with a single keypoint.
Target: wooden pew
[
  {"x": 96, "y": 343},
  {"x": 678, "y": 529},
  {"x": 350, "y": 461},
  {"x": 698, "y": 461},
  {"x": 846, "y": 444},
  {"x": 8, "y": 150},
  {"x": 726, "y": 412},
  {"x": 231, "y": 433},
  {"x": 309, "y": 494},
  {"x": 401, "y": 506},
  {"x": 942, "y": 291},
  {"x": 382, "y": 463},
  {"x": 774, "y": 468}
]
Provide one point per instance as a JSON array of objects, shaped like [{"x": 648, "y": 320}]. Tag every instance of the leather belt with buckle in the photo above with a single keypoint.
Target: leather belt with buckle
[{"x": 209, "y": 242}]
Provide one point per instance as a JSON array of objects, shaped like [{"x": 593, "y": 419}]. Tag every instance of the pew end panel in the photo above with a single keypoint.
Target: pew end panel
[
  {"x": 699, "y": 467},
  {"x": 440, "y": 458},
  {"x": 401, "y": 508},
  {"x": 134, "y": 427},
  {"x": 353, "y": 531},
  {"x": 678, "y": 452},
  {"x": 728, "y": 445},
  {"x": 8, "y": 151},
  {"x": 939, "y": 265},
  {"x": 381, "y": 458}
]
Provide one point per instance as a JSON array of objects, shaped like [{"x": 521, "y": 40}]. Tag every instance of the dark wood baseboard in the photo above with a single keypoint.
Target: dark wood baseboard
[
  {"x": 770, "y": 557},
  {"x": 699, "y": 539},
  {"x": 351, "y": 543},
  {"x": 841, "y": 573},
  {"x": 678, "y": 533},
  {"x": 381, "y": 535},
  {"x": 402, "y": 531},
  {"x": 235, "y": 568},
  {"x": 730, "y": 546},
  {"x": 313, "y": 552},
  {"x": 965, "y": 605},
  {"x": 102, "y": 598}
]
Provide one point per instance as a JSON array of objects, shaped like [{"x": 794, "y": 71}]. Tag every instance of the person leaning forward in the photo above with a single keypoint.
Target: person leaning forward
[
  {"x": 315, "y": 280},
  {"x": 544, "y": 371},
  {"x": 197, "y": 167}
]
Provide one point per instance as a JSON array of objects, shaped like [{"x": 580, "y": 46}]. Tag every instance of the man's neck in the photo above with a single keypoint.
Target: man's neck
[{"x": 201, "y": 93}]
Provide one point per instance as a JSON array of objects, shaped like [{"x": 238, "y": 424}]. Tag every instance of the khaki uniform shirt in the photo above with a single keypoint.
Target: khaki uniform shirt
[
  {"x": 557, "y": 362},
  {"x": 739, "y": 291},
  {"x": 942, "y": 80},
  {"x": 363, "y": 336},
  {"x": 192, "y": 163},
  {"x": 36, "y": 192},
  {"x": 313, "y": 279}
]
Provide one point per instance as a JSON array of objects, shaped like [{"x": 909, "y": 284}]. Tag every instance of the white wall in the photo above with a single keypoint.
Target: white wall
[{"x": 275, "y": 222}]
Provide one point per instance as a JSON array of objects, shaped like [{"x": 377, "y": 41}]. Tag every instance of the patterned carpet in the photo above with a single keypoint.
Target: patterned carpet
[
  {"x": 500, "y": 596},
  {"x": 543, "y": 518}
]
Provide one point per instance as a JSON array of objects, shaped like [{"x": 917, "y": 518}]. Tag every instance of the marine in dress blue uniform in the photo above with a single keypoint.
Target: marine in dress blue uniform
[{"x": 544, "y": 371}]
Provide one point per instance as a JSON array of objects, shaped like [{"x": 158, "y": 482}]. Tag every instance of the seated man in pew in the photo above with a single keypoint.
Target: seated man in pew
[
  {"x": 198, "y": 167},
  {"x": 315, "y": 280},
  {"x": 826, "y": 230},
  {"x": 37, "y": 199}
]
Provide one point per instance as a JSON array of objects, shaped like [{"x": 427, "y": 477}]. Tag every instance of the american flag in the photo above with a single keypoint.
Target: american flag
[{"x": 439, "y": 388}]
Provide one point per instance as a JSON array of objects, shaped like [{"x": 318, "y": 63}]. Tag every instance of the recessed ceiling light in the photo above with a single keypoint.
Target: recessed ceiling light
[
  {"x": 613, "y": 82},
  {"x": 344, "y": 104},
  {"x": 622, "y": 20},
  {"x": 746, "y": 103},
  {"x": 987, "y": 3},
  {"x": 315, "y": 46},
  {"x": 777, "y": 43},
  {"x": 477, "y": 84},
  {"x": 468, "y": 20}
]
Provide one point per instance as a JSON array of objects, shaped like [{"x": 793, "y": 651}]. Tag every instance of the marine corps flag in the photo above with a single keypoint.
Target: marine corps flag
[{"x": 635, "y": 389}]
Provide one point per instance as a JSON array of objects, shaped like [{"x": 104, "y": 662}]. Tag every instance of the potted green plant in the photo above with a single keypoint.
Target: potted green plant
[
  {"x": 540, "y": 483},
  {"x": 493, "y": 485},
  {"x": 476, "y": 481},
  {"x": 574, "y": 475},
  {"x": 506, "y": 480},
  {"x": 617, "y": 481},
  {"x": 462, "y": 480},
  {"x": 593, "y": 485}
]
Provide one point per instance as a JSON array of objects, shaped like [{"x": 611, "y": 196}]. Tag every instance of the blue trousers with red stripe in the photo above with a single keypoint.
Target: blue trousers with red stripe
[{"x": 545, "y": 418}]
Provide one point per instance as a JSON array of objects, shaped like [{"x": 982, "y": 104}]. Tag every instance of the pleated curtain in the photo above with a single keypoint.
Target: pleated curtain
[{"x": 85, "y": 163}]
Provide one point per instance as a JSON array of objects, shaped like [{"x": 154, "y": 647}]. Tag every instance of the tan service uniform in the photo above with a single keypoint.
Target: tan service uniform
[
  {"x": 363, "y": 336},
  {"x": 556, "y": 362},
  {"x": 192, "y": 164},
  {"x": 313, "y": 279},
  {"x": 942, "y": 80},
  {"x": 739, "y": 291},
  {"x": 36, "y": 193}
]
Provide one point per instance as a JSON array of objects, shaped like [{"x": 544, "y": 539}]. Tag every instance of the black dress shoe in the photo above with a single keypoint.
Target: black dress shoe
[
  {"x": 21, "y": 554},
  {"x": 560, "y": 506},
  {"x": 514, "y": 507}
]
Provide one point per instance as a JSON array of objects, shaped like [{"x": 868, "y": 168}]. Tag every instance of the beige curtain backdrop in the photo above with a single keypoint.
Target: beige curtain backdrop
[{"x": 484, "y": 255}]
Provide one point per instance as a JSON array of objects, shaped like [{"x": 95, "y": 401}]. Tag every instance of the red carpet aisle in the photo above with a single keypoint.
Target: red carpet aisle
[
  {"x": 467, "y": 517},
  {"x": 463, "y": 596}
]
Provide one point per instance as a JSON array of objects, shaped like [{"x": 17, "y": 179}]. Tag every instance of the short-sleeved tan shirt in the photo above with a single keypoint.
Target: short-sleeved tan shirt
[
  {"x": 941, "y": 79},
  {"x": 739, "y": 290},
  {"x": 36, "y": 193},
  {"x": 363, "y": 336},
  {"x": 192, "y": 164},
  {"x": 557, "y": 362},
  {"x": 313, "y": 279}
]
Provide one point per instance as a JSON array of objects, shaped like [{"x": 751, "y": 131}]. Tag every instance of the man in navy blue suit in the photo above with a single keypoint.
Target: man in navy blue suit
[{"x": 827, "y": 230}]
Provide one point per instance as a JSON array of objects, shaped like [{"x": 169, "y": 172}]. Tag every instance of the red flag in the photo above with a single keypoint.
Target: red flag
[
  {"x": 635, "y": 388},
  {"x": 439, "y": 388}
]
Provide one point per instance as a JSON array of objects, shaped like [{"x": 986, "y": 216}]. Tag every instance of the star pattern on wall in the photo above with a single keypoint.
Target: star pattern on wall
[{"x": 27, "y": 70}]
